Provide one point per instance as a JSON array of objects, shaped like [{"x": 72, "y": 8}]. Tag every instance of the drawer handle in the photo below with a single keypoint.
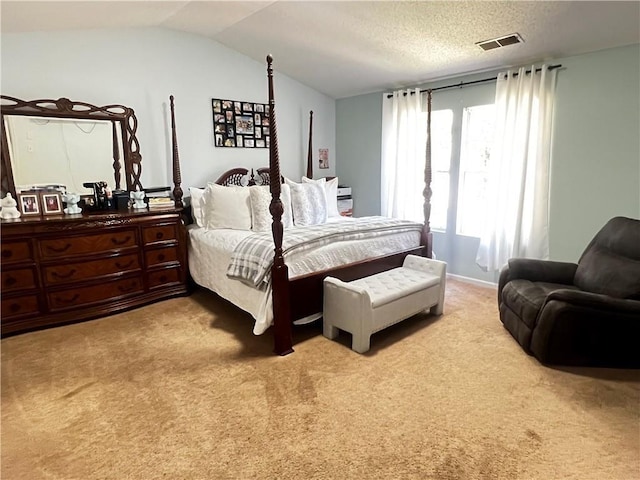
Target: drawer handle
[
  {"x": 115, "y": 241},
  {"x": 127, "y": 288},
  {"x": 163, "y": 278},
  {"x": 68, "y": 300},
  {"x": 128, "y": 264},
  {"x": 61, "y": 249},
  {"x": 161, "y": 257},
  {"x": 64, "y": 276},
  {"x": 10, "y": 281},
  {"x": 15, "y": 307},
  {"x": 159, "y": 235},
  {"x": 7, "y": 253}
]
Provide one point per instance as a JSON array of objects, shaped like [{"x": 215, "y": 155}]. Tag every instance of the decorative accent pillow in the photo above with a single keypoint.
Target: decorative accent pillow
[
  {"x": 308, "y": 202},
  {"x": 331, "y": 191},
  {"x": 261, "y": 218},
  {"x": 226, "y": 207},
  {"x": 196, "y": 206}
]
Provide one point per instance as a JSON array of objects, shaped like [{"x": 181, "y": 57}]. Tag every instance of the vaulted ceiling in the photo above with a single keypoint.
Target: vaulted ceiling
[{"x": 350, "y": 48}]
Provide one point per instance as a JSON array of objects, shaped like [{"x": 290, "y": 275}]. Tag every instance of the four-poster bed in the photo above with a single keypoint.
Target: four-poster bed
[{"x": 297, "y": 293}]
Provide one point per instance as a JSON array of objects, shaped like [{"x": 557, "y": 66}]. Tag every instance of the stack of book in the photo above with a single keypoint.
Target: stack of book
[{"x": 159, "y": 203}]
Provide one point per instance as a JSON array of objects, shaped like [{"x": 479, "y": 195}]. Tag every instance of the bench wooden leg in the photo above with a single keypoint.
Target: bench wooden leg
[{"x": 436, "y": 309}]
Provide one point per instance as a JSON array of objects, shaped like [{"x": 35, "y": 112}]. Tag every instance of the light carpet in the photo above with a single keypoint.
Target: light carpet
[{"x": 181, "y": 389}]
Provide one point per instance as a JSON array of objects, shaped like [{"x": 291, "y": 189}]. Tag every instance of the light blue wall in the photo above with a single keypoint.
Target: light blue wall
[
  {"x": 359, "y": 155},
  {"x": 596, "y": 147},
  {"x": 141, "y": 67},
  {"x": 595, "y": 171}
]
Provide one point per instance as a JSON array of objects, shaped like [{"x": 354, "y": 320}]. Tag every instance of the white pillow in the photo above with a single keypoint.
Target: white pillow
[
  {"x": 226, "y": 207},
  {"x": 331, "y": 190},
  {"x": 196, "y": 206},
  {"x": 308, "y": 202},
  {"x": 261, "y": 218}
]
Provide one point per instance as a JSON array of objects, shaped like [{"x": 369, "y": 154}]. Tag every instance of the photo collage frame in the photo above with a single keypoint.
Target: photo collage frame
[{"x": 240, "y": 124}]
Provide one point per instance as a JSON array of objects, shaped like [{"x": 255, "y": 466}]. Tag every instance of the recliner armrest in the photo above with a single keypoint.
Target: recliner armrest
[
  {"x": 595, "y": 300},
  {"x": 536, "y": 271},
  {"x": 542, "y": 270}
]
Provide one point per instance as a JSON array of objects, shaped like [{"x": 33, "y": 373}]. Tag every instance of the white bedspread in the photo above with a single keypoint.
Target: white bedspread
[{"x": 210, "y": 254}]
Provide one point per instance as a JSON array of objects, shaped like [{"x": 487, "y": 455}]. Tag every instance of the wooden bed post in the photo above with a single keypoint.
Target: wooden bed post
[
  {"x": 177, "y": 179},
  {"x": 427, "y": 237},
  {"x": 116, "y": 154},
  {"x": 282, "y": 334},
  {"x": 310, "y": 151}
]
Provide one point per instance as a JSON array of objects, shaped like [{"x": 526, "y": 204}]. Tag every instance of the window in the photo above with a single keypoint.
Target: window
[
  {"x": 475, "y": 151},
  {"x": 441, "y": 124}
]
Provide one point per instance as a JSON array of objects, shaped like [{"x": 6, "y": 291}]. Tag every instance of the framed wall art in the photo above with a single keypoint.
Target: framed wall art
[
  {"x": 240, "y": 124},
  {"x": 323, "y": 158}
]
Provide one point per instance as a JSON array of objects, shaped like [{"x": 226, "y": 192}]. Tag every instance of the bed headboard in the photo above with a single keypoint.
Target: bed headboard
[{"x": 235, "y": 176}]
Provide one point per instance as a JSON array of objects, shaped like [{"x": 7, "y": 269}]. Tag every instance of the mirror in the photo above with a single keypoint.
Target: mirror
[
  {"x": 60, "y": 148},
  {"x": 60, "y": 142}
]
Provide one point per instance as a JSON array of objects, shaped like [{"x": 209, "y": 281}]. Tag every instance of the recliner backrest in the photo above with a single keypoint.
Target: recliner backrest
[{"x": 610, "y": 264}]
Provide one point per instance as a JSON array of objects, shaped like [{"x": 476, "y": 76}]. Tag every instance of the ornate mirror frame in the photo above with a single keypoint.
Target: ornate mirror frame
[{"x": 119, "y": 116}]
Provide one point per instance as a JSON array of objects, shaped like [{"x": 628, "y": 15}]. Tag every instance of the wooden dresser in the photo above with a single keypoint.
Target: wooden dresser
[{"x": 63, "y": 269}]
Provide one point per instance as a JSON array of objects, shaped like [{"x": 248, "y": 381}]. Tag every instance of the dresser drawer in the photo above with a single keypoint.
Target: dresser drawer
[
  {"x": 161, "y": 255},
  {"x": 112, "y": 290},
  {"x": 23, "y": 278},
  {"x": 161, "y": 233},
  {"x": 161, "y": 278},
  {"x": 15, "y": 252},
  {"x": 19, "y": 306},
  {"x": 87, "y": 244},
  {"x": 73, "y": 272}
]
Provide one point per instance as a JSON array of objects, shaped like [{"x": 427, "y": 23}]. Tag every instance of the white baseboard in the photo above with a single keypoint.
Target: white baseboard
[{"x": 474, "y": 281}]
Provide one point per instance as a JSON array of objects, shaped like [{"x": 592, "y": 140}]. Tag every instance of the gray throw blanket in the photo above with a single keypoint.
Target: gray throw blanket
[{"x": 252, "y": 258}]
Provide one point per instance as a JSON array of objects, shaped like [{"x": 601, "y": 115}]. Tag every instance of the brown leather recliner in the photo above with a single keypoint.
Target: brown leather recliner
[{"x": 579, "y": 314}]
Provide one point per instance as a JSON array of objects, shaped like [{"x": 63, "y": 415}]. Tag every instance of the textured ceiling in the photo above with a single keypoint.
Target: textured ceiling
[{"x": 350, "y": 48}]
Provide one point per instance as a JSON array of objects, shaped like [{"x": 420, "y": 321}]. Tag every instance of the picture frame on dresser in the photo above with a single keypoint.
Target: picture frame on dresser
[
  {"x": 29, "y": 203},
  {"x": 51, "y": 203}
]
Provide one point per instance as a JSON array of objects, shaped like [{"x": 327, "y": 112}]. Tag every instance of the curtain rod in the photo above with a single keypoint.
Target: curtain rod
[{"x": 464, "y": 84}]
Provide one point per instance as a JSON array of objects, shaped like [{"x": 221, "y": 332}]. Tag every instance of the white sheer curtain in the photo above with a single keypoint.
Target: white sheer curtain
[
  {"x": 403, "y": 155},
  {"x": 517, "y": 222}
]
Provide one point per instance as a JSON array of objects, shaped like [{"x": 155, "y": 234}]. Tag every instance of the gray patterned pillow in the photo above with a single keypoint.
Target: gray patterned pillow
[{"x": 308, "y": 202}]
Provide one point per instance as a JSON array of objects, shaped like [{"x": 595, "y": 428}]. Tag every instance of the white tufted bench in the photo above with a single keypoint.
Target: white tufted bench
[{"x": 367, "y": 305}]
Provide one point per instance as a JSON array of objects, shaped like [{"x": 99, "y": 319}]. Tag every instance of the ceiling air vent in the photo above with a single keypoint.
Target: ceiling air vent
[{"x": 500, "y": 42}]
